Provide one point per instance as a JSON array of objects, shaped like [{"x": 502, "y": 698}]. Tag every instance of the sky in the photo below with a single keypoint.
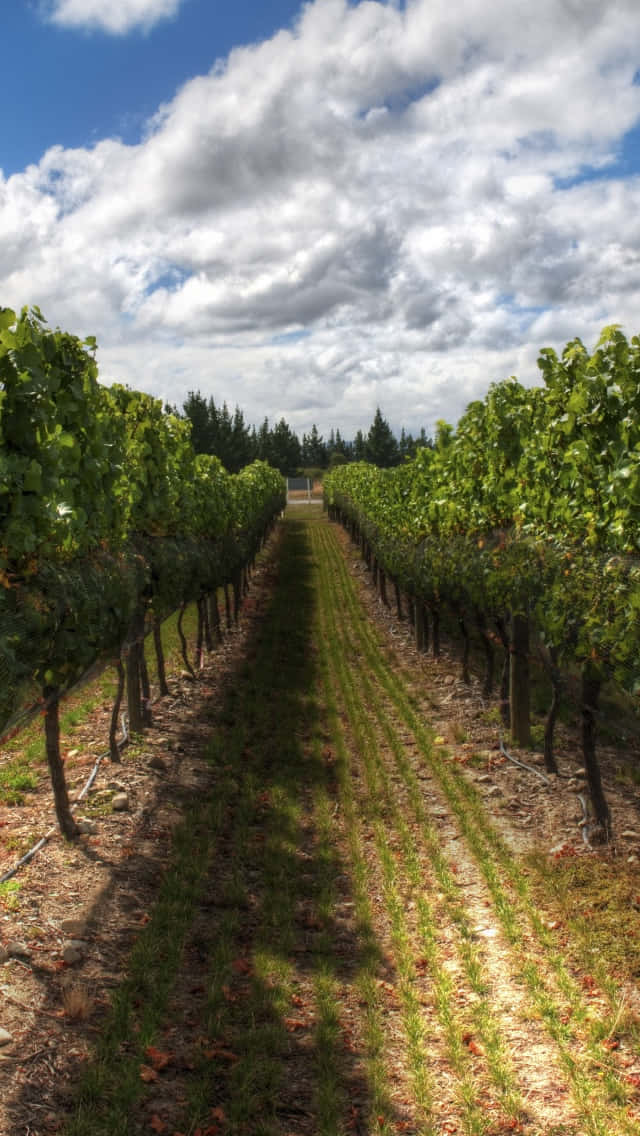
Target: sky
[{"x": 312, "y": 210}]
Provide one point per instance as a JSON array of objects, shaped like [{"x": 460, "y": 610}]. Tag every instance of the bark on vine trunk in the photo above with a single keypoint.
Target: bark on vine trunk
[
  {"x": 435, "y": 632},
  {"x": 519, "y": 693},
  {"x": 591, "y": 685},
  {"x": 206, "y": 623},
  {"x": 114, "y": 749},
  {"x": 489, "y": 653},
  {"x": 214, "y": 617},
  {"x": 134, "y": 696},
  {"x": 183, "y": 641},
  {"x": 200, "y": 637},
  {"x": 420, "y": 627},
  {"x": 398, "y": 595},
  {"x": 68, "y": 826},
  {"x": 157, "y": 642},
  {"x": 466, "y": 648},
  {"x": 550, "y": 763},
  {"x": 145, "y": 685},
  {"x": 382, "y": 580},
  {"x": 505, "y": 709},
  {"x": 237, "y": 595}
]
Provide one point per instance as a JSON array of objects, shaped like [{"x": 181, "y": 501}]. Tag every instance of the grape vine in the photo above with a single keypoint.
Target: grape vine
[
  {"x": 108, "y": 521},
  {"x": 524, "y": 522}
]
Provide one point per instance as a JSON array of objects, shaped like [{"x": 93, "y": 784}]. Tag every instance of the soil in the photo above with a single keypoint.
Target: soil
[{"x": 79, "y": 907}]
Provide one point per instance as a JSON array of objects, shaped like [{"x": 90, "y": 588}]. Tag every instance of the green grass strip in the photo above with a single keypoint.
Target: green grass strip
[{"x": 599, "y": 1096}]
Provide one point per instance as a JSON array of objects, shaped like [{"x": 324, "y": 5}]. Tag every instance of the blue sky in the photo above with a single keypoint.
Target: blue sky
[
  {"x": 312, "y": 210},
  {"x": 73, "y": 86}
]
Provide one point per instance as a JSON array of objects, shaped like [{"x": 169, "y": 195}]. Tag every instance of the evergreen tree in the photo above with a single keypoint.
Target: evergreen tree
[
  {"x": 314, "y": 450},
  {"x": 196, "y": 411},
  {"x": 285, "y": 449},
  {"x": 264, "y": 446},
  {"x": 359, "y": 447},
  {"x": 381, "y": 447}
]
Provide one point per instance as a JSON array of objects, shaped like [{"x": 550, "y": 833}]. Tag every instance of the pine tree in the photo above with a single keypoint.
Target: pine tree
[{"x": 381, "y": 446}]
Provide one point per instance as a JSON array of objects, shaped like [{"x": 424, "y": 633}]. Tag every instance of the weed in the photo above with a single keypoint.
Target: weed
[
  {"x": 9, "y": 895},
  {"x": 16, "y": 779},
  {"x": 77, "y": 1001},
  {"x": 459, "y": 733}
]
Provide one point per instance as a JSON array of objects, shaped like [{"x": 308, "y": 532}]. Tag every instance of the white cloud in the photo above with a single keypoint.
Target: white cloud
[
  {"x": 117, "y": 17},
  {"x": 395, "y": 183}
]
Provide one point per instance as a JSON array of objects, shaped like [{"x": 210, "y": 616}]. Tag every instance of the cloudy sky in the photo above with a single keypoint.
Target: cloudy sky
[{"x": 313, "y": 209}]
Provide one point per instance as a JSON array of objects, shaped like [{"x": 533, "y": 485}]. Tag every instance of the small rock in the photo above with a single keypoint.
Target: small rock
[
  {"x": 87, "y": 826},
  {"x": 494, "y": 791},
  {"x": 116, "y": 786},
  {"x": 72, "y": 927},
  {"x": 487, "y": 932},
  {"x": 15, "y": 949},
  {"x": 484, "y": 778},
  {"x": 629, "y": 833},
  {"x": 120, "y": 803},
  {"x": 5, "y": 1038},
  {"x": 156, "y": 762},
  {"x": 73, "y": 951}
]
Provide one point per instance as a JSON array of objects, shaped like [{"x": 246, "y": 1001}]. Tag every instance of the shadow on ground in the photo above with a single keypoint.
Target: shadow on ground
[{"x": 248, "y": 1049}]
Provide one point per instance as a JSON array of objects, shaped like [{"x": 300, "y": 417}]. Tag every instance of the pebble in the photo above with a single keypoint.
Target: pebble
[
  {"x": 5, "y": 1038},
  {"x": 73, "y": 951},
  {"x": 16, "y": 949},
  {"x": 156, "y": 762},
  {"x": 120, "y": 803},
  {"x": 487, "y": 932},
  {"x": 87, "y": 826},
  {"x": 72, "y": 927}
]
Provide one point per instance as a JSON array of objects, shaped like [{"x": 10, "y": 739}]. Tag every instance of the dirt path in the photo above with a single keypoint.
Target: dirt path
[{"x": 340, "y": 938}]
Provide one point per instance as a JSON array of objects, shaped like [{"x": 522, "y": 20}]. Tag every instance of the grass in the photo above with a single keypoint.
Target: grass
[
  {"x": 23, "y": 756},
  {"x": 390, "y": 1018},
  {"x": 9, "y": 895},
  {"x": 553, "y": 991},
  {"x": 16, "y": 779},
  {"x": 268, "y": 728}
]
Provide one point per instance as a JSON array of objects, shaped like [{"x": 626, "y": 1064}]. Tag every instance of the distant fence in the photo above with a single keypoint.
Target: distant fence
[{"x": 302, "y": 490}]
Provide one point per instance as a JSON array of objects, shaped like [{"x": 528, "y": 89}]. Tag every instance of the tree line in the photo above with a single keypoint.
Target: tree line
[{"x": 217, "y": 431}]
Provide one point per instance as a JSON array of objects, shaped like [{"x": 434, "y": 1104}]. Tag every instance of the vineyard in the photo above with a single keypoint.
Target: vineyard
[
  {"x": 523, "y": 526},
  {"x": 108, "y": 522},
  {"x": 347, "y": 871},
  {"x": 348, "y": 931}
]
